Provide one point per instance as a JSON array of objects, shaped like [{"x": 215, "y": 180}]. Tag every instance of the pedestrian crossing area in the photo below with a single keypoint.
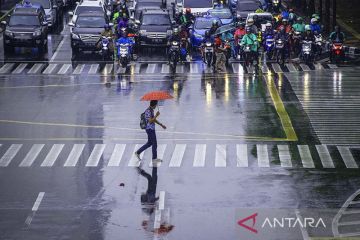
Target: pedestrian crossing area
[
  {"x": 180, "y": 155},
  {"x": 149, "y": 68}
]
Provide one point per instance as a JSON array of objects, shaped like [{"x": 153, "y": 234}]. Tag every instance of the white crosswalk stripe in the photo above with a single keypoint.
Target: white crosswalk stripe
[
  {"x": 151, "y": 68},
  {"x": 108, "y": 69},
  {"x": 265, "y": 69},
  {"x": 64, "y": 69},
  {"x": 276, "y": 67},
  {"x": 94, "y": 68},
  {"x": 325, "y": 156},
  {"x": 332, "y": 66},
  {"x": 36, "y": 68},
  {"x": 32, "y": 155},
  {"x": 291, "y": 67},
  {"x": 200, "y": 153},
  {"x": 180, "y": 69},
  {"x": 305, "y": 156},
  {"x": 120, "y": 70},
  {"x": 242, "y": 155},
  {"x": 79, "y": 68},
  {"x": 304, "y": 67},
  {"x": 50, "y": 68},
  {"x": 250, "y": 69},
  {"x": 194, "y": 68},
  {"x": 319, "y": 66},
  {"x": 347, "y": 157},
  {"x": 160, "y": 154},
  {"x": 262, "y": 155},
  {"x": 20, "y": 68},
  {"x": 116, "y": 155},
  {"x": 52, "y": 155},
  {"x": 284, "y": 155},
  {"x": 220, "y": 155},
  {"x": 9, "y": 155},
  {"x": 134, "y": 162},
  {"x": 95, "y": 155},
  {"x": 178, "y": 155},
  {"x": 74, "y": 155},
  {"x": 6, "y": 68},
  {"x": 165, "y": 68}
]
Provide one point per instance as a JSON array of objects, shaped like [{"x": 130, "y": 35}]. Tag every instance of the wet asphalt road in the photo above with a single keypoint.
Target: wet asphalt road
[{"x": 236, "y": 144}]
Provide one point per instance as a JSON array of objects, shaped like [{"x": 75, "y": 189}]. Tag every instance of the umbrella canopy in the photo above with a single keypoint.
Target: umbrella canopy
[{"x": 156, "y": 95}]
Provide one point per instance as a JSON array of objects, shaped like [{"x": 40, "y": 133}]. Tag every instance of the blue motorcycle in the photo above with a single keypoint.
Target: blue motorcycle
[
  {"x": 269, "y": 46},
  {"x": 124, "y": 51}
]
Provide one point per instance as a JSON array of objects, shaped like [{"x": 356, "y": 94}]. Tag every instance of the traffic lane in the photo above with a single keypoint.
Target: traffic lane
[{"x": 219, "y": 106}]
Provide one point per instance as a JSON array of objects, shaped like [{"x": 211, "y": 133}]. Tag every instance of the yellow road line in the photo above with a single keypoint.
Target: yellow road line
[
  {"x": 280, "y": 109},
  {"x": 140, "y": 130}
]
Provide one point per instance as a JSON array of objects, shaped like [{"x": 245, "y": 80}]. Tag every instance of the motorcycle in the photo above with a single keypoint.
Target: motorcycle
[
  {"x": 105, "y": 51},
  {"x": 296, "y": 37},
  {"x": 174, "y": 52},
  {"x": 209, "y": 53},
  {"x": 337, "y": 52},
  {"x": 123, "y": 54},
  {"x": 269, "y": 46},
  {"x": 306, "y": 51},
  {"x": 228, "y": 48},
  {"x": 248, "y": 55},
  {"x": 275, "y": 5},
  {"x": 280, "y": 51},
  {"x": 318, "y": 45},
  {"x": 240, "y": 52}
]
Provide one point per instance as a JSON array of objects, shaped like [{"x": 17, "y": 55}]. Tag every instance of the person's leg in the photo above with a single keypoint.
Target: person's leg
[
  {"x": 154, "y": 144},
  {"x": 146, "y": 145}
]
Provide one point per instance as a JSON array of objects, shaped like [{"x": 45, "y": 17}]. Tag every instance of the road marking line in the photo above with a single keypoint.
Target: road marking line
[
  {"x": 325, "y": 156},
  {"x": 134, "y": 162},
  {"x": 36, "y": 68},
  {"x": 50, "y": 68},
  {"x": 19, "y": 68},
  {"x": 38, "y": 201},
  {"x": 117, "y": 155},
  {"x": 162, "y": 200},
  {"x": 194, "y": 68},
  {"x": 262, "y": 155},
  {"x": 9, "y": 155},
  {"x": 32, "y": 155},
  {"x": 57, "y": 50},
  {"x": 291, "y": 67},
  {"x": 242, "y": 155},
  {"x": 235, "y": 67},
  {"x": 319, "y": 66},
  {"x": 220, "y": 155},
  {"x": 200, "y": 154},
  {"x": 305, "y": 156},
  {"x": 121, "y": 70},
  {"x": 160, "y": 153},
  {"x": 151, "y": 68},
  {"x": 74, "y": 155},
  {"x": 95, "y": 155},
  {"x": 79, "y": 68},
  {"x": 304, "y": 67},
  {"x": 332, "y": 66},
  {"x": 280, "y": 109},
  {"x": 250, "y": 69},
  {"x": 276, "y": 68},
  {"x": 284, "y": 155},
  {"x": 108, "y": 69},
  {"x": 93, "y": 68},
  {"x": 64, "y": 68},
  {"x": 304, "y": 233},
  {"x": 52, "y": 155},
  {"x": 177, "y": 156},
  {"x": 165, "y": 68},
  {"x": 265, "y": 69},
  {"x": 347, "y": 157},
  {"x": 6, "y": 68},
  {"x": 179, "y": 69},
  {"x": 157, "y": 219}
]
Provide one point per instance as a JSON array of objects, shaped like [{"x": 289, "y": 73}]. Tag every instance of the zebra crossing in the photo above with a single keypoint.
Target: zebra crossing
[
  {"x": 198, "y": 155},
  {"x": 150, "y": 68}
]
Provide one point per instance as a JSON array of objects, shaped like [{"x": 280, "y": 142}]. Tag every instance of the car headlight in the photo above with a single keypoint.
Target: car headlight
[
  {"x": 169, "y": 32},
  {"x": 9, "y": 33},
  {"x": 143, "y": 32},
  {"x": 37, "y": 33},
  {"x": 75, "y": 36}
]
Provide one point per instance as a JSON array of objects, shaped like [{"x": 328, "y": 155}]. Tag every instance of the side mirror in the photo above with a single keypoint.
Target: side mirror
[
  {"x": 111, "y": 24},
  {"x": 132, "y": 18},
  {"x": 71, "y": 24},
  {"x": 173, "y": 22},
  {"x": 71, "y": 14},
  {"x": 137, "y": 21},
  {"x": 3, "y": 23}
]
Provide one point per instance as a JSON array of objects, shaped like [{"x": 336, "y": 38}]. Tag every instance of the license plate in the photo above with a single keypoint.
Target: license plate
[
  {"x": 24, "y": 37},
  {"x": 157, "y": 40}
]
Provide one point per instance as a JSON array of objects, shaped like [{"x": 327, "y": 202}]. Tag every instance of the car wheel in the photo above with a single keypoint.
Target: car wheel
[{"x": 8, "y": 48}]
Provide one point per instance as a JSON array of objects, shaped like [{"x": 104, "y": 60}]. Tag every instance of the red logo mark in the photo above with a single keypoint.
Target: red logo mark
[{"x": 253, "y": 217}]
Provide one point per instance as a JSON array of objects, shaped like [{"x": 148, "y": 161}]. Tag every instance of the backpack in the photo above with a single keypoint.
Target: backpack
[{"x": 143, "y": 121}]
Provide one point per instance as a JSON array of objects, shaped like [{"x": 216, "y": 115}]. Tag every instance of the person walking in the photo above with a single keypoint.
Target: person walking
[{"x": 151, "y": 120}]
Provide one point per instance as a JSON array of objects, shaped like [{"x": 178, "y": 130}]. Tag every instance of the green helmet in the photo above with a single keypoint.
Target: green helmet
[
  {"x": 315, "y": 15},
  {"x": 307, "y": 28}
]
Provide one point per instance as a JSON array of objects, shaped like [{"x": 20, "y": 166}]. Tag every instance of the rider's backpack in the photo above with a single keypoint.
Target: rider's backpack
[{"x": 143, "y": 121}]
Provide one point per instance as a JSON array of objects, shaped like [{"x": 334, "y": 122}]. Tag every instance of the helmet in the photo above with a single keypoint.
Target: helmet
[
  {"x": 285, "y": 20},
  {"x": 282, "y": 29},
  {"x": 207, "y": 33},
  {"x": 240, "y": 24},
  {"x": 291, "y": 10},
  {"x": 315, "y": 15},
  {"x": 300, "y": 19},
  {"x": 337, "y": 28},
  {"x": 176, "y": 30},
  {"x": 268, "y": 25},
  {"x": 250, "y": 21},
  {"x": 313, "y": 21},
  {"x": 188, "y": 10},
  {"x": 248, "y": 29},
  {"x": 214, "y": 22},
  {"x": 307, "y": 28}
]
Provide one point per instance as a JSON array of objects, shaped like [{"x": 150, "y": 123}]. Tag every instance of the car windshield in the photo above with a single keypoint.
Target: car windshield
[
  {"x": 44, "y": 3},
  {"x": 25, "y": 20},
  {"x": 203, "y": 23},
  {"x": 155, "y": 19},
  {"x": 90, "y": 22},
  {"x": 247, "y": 6},
  {"x": 198, "y": 4},
  {"x": 147, "y": 4},
  {"x": 220, "y": 14},
  {"x": 82, "y": 9}
]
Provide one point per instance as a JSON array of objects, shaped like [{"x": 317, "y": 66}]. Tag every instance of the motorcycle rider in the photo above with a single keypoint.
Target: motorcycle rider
[
  {"x": 252, "y": 26},
  {"x": 285, "y": 24},
  {"x": 250, "y": 39},
  {"x": 268, "y": 30},
  {"x": 27, "y": 3},
  {"x": 228, "y": 37},
  {"x": 239, "y": 33},
  {"x": 220, "y": 58},
  {"x": 175, "y": 37},
  {"x": 285, "y": 37},
  {"x": 285, "y": 13},
  {"x": 299, "y": 26},
  {"x": 337, "y": 36},
  {"x": 292, "y": 16},
  {"x": 124, "y": 39},
  {"x": 107, "y": 32},
  {"x": 188, "y": 18},
  {"x": 308, "y": 36},
  {"x": 314, "y": 25},
  {"x": 214, "y": 27}
]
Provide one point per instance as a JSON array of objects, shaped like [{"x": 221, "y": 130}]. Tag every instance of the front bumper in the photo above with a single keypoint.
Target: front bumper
[
  {"x": 153, "y": 42},
  {"x": 86, "y": 46},
  {"x": 18, "y": 42}
]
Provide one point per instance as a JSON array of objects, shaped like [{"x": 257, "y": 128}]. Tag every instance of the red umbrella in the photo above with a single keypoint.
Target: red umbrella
[{"x": 156, "y": 95}]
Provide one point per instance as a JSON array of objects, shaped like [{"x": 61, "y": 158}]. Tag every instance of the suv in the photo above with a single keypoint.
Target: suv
[
  {"x": 155, "y": 27},
  {"x": 51, "y": 11},
  {"x": 26, "y": 28},
  {"x": 86, "y": 31},
  {"x": 87, "y": 7}
]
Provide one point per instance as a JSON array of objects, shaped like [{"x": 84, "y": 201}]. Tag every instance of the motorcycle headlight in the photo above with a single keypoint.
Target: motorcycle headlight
[
  {"x": 75, "y": 36},
  {"x": 143, "y": 32},
  {"x": 169, "y": 32},
  {"x": 9, "y": 33},
  {"x": 37, "y": 33}
]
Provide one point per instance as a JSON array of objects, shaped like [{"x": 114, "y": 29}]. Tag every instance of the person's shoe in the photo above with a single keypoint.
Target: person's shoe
[
  {"x": 156, "y": 161},
  {"x": 137, "y": 156}
]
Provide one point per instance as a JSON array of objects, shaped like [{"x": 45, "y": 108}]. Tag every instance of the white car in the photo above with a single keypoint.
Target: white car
[
  {"x": 197, "y": 6},
  {"x": 88, "y": 6},
  {"x": 263, "y": 18}
]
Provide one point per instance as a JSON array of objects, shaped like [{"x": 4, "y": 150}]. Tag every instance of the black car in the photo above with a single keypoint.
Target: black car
[
  {"x": 25, "y": 29},
  {"x": 154, "y": 28},
  {"x": 86, "y": 31}
]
